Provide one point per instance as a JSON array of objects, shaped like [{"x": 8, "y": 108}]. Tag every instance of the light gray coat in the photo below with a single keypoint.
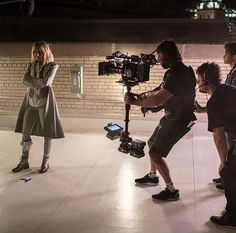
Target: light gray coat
[{"x": 52, "y": 127}]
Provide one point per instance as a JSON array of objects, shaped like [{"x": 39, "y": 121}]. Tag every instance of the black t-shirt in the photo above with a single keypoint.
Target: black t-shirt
[
  {"x": 221, "y": 109},
  {"x": 180, "y": 81}
]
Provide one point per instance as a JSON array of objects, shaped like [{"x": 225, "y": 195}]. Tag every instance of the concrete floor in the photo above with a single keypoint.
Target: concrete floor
[{"x": 90, "y": 187}]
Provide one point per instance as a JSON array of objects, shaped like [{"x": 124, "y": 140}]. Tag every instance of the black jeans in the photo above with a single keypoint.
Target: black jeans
[{"x": 229, "y": 176}]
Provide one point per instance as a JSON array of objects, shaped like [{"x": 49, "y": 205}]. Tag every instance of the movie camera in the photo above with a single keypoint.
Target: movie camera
[{"x": 133, "y": 69}]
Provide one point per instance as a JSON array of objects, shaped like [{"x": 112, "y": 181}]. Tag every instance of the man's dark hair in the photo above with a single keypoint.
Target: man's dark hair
[
  {"x": 210, "y": 72},
  {"x": 231, "y": 47},
  {"x": 168, "y": 47}
]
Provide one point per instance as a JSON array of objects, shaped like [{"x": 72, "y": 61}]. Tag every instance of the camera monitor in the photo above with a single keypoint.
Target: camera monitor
[{"x": 113, "y": 130}]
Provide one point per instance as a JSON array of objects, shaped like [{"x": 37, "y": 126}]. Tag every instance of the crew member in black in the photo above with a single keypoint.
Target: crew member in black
[
  {"x": 229, "y": 58},
  {"x": 177, "y": 97},
  {"x": 221, "y": 111}
]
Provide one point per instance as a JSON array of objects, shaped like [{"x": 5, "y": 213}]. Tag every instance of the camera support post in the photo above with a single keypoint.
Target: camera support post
[
  {"x": 124, "y": 137},
  {"x": 128, "y": 145}
]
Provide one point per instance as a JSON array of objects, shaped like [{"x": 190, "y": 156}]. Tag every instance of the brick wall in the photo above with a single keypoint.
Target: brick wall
[{"x": 102, "y": 95}]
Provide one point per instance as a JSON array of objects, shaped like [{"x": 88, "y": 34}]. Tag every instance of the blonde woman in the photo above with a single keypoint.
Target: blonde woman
[{"x": 38, "y": 114}]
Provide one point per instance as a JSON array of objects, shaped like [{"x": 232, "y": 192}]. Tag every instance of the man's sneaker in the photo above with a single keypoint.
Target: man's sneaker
[
  {"x": 166, "y": 195},
  {"x": 220, "y": 186},
  {"x": 223, "y": 220},
  {"x": 218, "y": 180},
  {"x": 147, "y": 180}
]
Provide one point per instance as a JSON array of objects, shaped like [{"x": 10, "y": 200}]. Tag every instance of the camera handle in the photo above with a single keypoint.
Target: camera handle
[{"x": 124, "y": 137}]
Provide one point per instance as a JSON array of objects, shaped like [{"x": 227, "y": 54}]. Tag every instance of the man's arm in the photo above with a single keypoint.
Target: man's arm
[
  {"x": 221, "y": 145},
  {"x": 152, "y": 92},
  {"x": 198, "y": 108},
  {"x": 155, "y": 98}
]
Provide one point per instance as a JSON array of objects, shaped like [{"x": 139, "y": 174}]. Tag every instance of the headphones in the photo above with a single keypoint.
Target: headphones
[{"x": 205, "y": 82}]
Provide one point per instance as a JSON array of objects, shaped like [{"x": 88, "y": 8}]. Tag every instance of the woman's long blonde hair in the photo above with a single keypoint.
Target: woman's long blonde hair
[{"x": 48, "y": 56}]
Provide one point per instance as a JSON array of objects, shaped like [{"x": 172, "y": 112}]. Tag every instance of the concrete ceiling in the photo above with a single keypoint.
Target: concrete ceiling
[
  {"x": 108, "y": 21},
  {"x": 88, "y": 9}
]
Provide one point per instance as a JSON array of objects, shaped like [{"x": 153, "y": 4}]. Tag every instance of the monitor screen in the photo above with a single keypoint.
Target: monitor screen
[{"x": 113, "y": 128}]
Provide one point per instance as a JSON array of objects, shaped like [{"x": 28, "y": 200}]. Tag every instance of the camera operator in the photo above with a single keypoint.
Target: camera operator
[
  {"x": 177, "y": 97},
  {"x": 221, "y": 111}
]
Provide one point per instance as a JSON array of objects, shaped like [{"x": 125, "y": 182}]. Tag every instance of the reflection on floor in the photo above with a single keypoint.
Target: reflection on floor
[{"x": 90, "y": 188}]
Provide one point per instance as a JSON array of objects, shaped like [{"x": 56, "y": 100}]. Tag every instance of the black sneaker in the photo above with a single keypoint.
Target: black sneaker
[
  {"x": 147, "y": 180},
  {"x": 220, "y": 186},
  {"x": 218, "y": 180},
  {"x": 167, "y": 195},
  {"x": 223, "y": 220}
]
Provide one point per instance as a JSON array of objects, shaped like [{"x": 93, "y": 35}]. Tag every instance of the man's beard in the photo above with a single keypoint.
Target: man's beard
[{"x": 165, "y": 65}]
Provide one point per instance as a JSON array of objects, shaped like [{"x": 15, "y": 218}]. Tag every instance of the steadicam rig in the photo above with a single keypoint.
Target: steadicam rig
[{"x": 133, "y": 69}]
